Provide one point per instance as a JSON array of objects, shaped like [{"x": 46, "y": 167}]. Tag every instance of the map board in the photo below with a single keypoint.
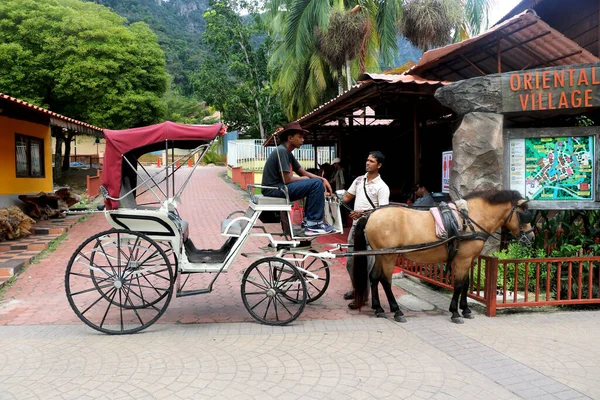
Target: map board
[{"x": 553, "y": 168}]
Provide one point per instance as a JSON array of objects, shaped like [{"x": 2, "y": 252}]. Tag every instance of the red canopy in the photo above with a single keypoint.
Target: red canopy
[{"x": 144, "y": 140}]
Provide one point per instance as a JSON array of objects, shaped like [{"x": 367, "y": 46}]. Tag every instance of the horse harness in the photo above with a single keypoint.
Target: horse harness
[{"x": 451, "y": 225}]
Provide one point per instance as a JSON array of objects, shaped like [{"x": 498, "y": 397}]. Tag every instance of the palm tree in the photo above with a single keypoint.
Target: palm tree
[
  {"x": 307, "y": 65},
  {"x": 433, "y": 23}
]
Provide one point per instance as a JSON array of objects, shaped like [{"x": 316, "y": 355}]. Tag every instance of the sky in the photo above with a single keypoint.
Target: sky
[{"x": 501, "y": 8}]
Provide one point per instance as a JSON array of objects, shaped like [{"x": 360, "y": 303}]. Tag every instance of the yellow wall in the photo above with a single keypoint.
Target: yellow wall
[{"x": 9, "y": 183}]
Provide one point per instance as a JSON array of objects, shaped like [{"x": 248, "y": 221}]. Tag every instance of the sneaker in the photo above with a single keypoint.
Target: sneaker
[{"x": 319, "y": 229}]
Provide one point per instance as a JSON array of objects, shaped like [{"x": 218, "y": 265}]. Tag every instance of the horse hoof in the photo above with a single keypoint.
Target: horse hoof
[
  {"x": 400, "y": 318},
  {"x": 380, "y": 315},
  {"x": 458, "y": 320},
  {"x": 468, "y": 316}
]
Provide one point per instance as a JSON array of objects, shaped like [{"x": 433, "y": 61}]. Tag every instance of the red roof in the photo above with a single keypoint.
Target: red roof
[
  {"x": 526, "y": 42},
  {"x": 119, "y": 143},
  {"x": 25, "y": 104}
]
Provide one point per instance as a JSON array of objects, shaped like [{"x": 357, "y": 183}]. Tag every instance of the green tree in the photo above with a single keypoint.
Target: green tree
[
  {"x": 234, "y": 77},
  {"x": 82, "y": 60}
]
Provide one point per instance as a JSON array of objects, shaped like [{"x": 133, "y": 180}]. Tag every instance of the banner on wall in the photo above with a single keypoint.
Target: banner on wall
[{"x": 446, "y": 168}]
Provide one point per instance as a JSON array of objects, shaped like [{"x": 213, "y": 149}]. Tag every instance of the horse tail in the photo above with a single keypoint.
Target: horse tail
[{"x": 360, "y": 273}]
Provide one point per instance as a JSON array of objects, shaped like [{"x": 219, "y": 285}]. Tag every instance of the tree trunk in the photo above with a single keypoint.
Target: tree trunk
[
  {"x": 348, "y": 74},
  {"x": 255, "y": 77},
  {"x": 340, "y": 81},
  {"x": 260, "y": 123},
  {"x": 66, "y": 164},
  {"x": 58, "y": 135}
]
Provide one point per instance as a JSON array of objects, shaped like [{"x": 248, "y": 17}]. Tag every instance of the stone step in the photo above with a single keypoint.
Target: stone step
[
  {"x": 3, "y": 282},
  {"x": 12, "y": 267},
  {"x": 54, "y": 226},
  {"x": 29, "y": 243}
]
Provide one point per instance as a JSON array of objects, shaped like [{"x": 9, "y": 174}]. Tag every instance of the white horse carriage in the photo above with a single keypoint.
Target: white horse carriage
[{"x": 121, "y": 280}]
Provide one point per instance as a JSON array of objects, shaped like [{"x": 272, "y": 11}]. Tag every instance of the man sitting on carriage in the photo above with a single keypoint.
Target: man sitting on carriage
[{"x": 279, "y": 172}]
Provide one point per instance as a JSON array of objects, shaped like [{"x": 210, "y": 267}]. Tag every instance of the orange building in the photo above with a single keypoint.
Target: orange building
[{"x": 25, "y": 147}]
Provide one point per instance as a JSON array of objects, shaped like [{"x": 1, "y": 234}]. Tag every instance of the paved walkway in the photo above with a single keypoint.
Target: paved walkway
[{"x": 537, "y": 356}]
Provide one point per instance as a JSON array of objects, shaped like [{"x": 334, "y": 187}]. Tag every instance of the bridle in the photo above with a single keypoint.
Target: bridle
[{"x": 524, "y": 217}]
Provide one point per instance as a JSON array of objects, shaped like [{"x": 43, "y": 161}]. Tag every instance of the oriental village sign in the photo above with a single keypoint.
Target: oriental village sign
[
  {"x": 553, "y": 167},
  {"x": 571, "y": 87}
]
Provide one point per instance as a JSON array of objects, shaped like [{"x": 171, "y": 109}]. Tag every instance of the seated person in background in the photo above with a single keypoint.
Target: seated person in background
[
  {"x": 424, "y": 197},
  {"x": 338, "y": 181},
  {"x": 279, "y": 171}
]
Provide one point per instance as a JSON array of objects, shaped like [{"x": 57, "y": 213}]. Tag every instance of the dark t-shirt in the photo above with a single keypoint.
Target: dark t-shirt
[{"x": 272, "y": 172}]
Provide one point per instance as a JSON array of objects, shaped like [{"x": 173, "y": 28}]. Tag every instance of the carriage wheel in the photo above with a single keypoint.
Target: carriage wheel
[
  {"x": 274, "y": 291},
  {"x": 315, "y": 288},
  {"x": 119, "y": 281}
]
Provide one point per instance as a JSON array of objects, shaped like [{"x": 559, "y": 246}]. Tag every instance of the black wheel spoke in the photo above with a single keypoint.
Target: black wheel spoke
[
  {"x": 137, "y": 240},
  {"x": 155, "y": 273},
  {"x": 281, "y": 302},
  {"x": 254, "y": 306},
  {"x": 145, "y": 302},
  {"x": 147, "y": 287},
  {"x": 92, "y": 264},
  {"x": 149, "y": 257},
  {"x": 106, "y": 256},
  {"x": 121, "y": 308},
  {"x": 133, "y": 307},
  {"x": 257, "y": 285},
  {"x": 108, "y": 308},
  {"x": 267, "y": 308},
  {"x": 152, "y": 286},
  {"x": 96, "y": 302},
  {"x": 263, "y": 277},
  {"x": 92, "y": 289}
]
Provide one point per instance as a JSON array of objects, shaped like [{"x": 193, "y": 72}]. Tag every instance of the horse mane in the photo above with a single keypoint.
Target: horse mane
[{"x": 497, "y": 196}]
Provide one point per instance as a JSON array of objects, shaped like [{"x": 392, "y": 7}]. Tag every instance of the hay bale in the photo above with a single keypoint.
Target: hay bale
[{"x": 14, "y": 223}]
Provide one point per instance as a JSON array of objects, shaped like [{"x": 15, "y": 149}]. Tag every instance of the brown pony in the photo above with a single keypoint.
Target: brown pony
[{"x": 391, "y": 227}]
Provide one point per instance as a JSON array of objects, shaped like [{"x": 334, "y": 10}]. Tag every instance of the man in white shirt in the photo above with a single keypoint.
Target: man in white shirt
[{"x": 369, "y": 192}]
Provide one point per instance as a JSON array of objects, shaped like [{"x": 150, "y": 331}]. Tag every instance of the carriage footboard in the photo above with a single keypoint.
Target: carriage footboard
[{"x": 209, "y": 256}]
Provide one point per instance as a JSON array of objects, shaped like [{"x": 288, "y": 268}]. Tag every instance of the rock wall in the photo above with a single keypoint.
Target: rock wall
[{"x": 478, "y": 154}]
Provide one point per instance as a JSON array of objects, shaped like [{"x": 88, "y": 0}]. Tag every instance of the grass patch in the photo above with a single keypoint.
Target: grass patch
[{"x": 52, "y": 246}]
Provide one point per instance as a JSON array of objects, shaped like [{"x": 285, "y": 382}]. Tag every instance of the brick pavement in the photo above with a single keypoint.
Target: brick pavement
[
  {"x": 38, "y": 297},
  {"x": 532, "y": 356}
]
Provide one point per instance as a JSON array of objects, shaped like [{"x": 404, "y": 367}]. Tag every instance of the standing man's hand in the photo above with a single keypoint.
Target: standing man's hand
[
  {"x": 356, "y": 214},
  {"x": 328, "y": 190}
]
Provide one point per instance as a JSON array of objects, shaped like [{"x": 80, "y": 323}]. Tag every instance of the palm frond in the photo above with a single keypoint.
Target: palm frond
[
  {"x": 304, "y": 17},
  {"x": 389, "y": 12},
  {"x": 477, "y": 15}
]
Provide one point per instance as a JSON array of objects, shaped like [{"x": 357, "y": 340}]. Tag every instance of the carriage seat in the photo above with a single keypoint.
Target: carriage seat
[
  {"x": 238, "y": 226},
  {"x": 235, "y": 229},
  {"x": 183, "y": 226},
  {"x": 261, "y": 200}
]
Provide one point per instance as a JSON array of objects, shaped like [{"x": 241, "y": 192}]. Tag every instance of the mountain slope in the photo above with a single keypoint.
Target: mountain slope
[{"x": 178, "y": 24}]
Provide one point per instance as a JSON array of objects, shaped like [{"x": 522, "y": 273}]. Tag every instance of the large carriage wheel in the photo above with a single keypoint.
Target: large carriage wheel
[
  {"x": 274, "y": 291},
  {"x": 315, "y": 287},
  {"x": 119, "y": 281}
]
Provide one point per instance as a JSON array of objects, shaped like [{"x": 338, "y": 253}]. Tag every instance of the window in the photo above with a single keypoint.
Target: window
[{"x": 29, "y": 156}]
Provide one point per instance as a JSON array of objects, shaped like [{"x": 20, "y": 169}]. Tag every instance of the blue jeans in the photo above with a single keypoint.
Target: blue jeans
[{"x": 313, "y": 190}]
